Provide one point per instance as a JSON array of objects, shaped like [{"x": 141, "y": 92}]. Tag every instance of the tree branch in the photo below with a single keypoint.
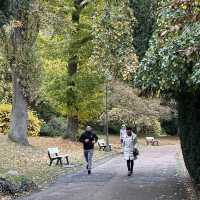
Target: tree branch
[{"x": 84, "y": 3}]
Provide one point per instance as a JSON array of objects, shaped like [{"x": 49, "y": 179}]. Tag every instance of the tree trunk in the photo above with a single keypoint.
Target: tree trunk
[
  {"x": 189, "y": 131},
  {"x": 19, "y": 115},
  {"x": 73, "y": 122},
  {"x": 72, "y": 127},
  {"x": 20, "y": 52}
]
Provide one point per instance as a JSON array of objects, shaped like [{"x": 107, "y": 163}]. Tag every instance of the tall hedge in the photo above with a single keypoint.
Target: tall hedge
[
  {"x": 189, "y": 131},
  {"x": 34, "y": 123}
]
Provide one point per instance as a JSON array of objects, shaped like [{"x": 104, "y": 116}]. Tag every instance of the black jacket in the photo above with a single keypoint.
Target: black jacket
[{"x": 88, "y": 135}]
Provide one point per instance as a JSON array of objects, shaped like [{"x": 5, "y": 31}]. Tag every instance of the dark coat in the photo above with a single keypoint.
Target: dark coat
[{"x": 88, "y": 135}]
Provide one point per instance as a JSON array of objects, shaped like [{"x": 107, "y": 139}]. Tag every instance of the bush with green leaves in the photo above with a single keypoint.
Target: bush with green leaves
[
  {"x": 5, "y": 112},
  {"x": 55, "y": 127}
]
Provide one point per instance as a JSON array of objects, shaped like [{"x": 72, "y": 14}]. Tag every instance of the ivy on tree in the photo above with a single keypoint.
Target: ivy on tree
[{"x": 171, "y": 67}]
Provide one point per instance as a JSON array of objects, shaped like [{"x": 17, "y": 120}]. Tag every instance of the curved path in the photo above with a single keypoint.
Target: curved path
[{"x": 155, "y": 178}]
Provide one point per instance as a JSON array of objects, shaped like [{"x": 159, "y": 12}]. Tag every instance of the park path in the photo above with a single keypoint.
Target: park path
[{"x": 155, "y": 178}]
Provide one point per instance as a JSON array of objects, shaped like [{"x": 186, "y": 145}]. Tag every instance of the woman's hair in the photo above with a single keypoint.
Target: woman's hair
[{"x": 129, "y": 128}]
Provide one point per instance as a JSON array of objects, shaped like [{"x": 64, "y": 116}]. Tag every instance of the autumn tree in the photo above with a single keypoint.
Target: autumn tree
[
  {"x": 76, "y": 42},
  {"x": 20, "y": 36},
  {"x": 74, "y": 90},
  {"x": 113, "y": 49}
]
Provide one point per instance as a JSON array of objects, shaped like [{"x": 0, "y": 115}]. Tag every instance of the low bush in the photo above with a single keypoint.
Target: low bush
[
  {"x": 170, "y": 126},
  {"x": 54, "y": 127},
  {"x": 34, "y": 123}
]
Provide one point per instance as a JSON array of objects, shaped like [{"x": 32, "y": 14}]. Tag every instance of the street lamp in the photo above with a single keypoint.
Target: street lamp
[
  {"x": 108, "y": 78},
  {"x": 108, "y": 75}
]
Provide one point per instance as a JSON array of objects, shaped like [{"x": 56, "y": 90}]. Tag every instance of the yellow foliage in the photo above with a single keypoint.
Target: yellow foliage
[
  {"x": 34, "y": 123},
  {"x": 156, "y": 127}
]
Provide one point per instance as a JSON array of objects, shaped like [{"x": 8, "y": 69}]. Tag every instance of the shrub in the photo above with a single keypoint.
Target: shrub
[
  {"x": 44, "y": 110},
  {"x": 156, "y": 127},
  {"x": 149, "y": 126},
  {"x": 170, "y": 126},
  {"x": 47, "y": 130},
  {"x": 144, "y": 126},
  {"x": 4, "y": 118},
  {"x": 54, "y": 127},
  {"x": 34, "y": 123}
]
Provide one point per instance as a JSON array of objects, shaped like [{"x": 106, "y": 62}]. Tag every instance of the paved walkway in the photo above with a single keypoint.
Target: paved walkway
[{"x": 155, "y": 178}]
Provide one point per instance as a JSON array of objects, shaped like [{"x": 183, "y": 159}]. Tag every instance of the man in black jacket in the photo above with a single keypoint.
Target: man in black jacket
[{"x": 88, "y": 138}]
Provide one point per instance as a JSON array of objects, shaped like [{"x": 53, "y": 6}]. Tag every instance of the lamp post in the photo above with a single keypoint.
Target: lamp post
[
  {"x": 108, "y": 75},
  {"x": 108, "y": 78}
]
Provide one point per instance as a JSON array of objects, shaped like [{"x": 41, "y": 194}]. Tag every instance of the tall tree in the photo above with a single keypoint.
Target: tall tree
[
  {"x": 171, "y": 66},
  {"x": 20, "y": 56},
  {"x": 75, "y": 45},
  {"x": 75, "y": 90}
]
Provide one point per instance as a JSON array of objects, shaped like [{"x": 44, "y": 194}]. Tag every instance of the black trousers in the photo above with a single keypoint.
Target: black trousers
[{"x": 130, "y": 164}]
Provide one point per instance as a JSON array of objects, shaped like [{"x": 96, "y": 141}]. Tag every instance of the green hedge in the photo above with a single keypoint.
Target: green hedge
[{"x": 34, "y": 123}]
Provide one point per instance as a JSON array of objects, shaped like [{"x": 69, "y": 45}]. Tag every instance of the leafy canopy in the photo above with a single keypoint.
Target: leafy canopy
[{"x": 172, "y": 62}]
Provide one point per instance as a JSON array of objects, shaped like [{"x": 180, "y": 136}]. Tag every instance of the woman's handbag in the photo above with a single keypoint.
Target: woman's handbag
[{"x": 135, "y": 152}]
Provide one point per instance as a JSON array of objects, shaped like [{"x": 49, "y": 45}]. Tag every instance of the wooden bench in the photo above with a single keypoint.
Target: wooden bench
[
  {"x": 102, "y": 145},
  {"x": 54, "y": 154},
  {"x": 152, "y": 141}
]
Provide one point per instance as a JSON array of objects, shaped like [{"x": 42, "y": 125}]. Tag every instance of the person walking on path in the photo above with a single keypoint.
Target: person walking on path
[
  {"x": 129, "y": 145},
  {"x": 88, "y": 138},
  {"x": 122, "y": 133}
]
